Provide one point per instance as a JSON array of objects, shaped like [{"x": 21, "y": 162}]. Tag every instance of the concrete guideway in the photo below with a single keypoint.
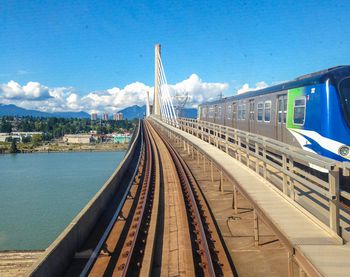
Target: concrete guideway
[{"x": 312, "y": 246}]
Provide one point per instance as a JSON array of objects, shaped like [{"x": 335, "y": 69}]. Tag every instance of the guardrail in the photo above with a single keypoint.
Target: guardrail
[{"x": 292, "y": 170}]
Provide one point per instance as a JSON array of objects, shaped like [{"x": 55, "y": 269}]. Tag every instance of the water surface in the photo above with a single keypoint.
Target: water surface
[{"x": 40, "y": 193}]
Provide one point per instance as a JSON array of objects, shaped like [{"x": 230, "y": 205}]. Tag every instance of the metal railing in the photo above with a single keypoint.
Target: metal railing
[{"x": 297, "y": 173}]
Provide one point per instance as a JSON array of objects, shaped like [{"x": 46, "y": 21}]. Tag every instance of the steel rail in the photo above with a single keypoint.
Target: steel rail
[
  {"x": 207, "y": 264},
  {"x": 216, "y": 250},
  {"x": 107, "y": 231},
  {"x": 129, "y": 246},
  {"x": 150, "y": 244}
]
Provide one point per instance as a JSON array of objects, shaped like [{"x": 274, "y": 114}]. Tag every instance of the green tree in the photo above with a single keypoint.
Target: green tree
[
  {"x": 13, "y": 148},
  {"x": 6, "y": 127},
  {"x": 26, "y": 139},
  {"x": 37, "y": 139}
]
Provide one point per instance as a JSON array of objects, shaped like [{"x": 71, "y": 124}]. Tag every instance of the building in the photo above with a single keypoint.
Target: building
[
  {"x": 105, "y": 116},
  {"x": 93, "y": 116},
  {"x": 4, "y": 137},
  {"x": 121, "y": 138},
  {"x": 118, "y": 116},
  {"x": 78, "y": 138},
  {"x": 18, "y": 136}
]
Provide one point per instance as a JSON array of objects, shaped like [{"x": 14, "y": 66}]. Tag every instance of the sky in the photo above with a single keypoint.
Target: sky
[{"x": 99, "y": 55}]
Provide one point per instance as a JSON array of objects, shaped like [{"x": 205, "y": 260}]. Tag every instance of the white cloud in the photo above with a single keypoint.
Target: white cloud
[
  {"x": 198, "y": 90},
  {"x": 34, "y": 95},
  {"x": 32, "y": 90},
  {"x": 246, "y": 88}
]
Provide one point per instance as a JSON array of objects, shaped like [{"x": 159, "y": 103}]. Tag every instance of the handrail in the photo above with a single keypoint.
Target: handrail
[{"x": 290, "y": 163}]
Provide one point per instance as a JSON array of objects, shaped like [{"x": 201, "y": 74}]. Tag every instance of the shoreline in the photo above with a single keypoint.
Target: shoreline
[
  {"x": 64, "y": 148},
  {"x": 64, "y": 151}
]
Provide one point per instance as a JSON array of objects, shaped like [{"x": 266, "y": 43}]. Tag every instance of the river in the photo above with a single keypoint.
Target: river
[{"x": 40, "y": 193}]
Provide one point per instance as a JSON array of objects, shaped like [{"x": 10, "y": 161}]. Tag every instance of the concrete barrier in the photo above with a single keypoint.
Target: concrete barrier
[{"x": 59, "y": 254}]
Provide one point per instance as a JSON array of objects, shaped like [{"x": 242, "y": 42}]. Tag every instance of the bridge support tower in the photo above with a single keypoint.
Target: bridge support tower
[{"x": 156, "y": 105}]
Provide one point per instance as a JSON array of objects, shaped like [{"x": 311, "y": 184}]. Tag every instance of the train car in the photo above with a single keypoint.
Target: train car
[{"x": 311, "y": 112}]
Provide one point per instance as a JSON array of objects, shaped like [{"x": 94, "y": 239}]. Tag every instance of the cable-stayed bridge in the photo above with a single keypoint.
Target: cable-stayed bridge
[{"x": 197, "y": 198}]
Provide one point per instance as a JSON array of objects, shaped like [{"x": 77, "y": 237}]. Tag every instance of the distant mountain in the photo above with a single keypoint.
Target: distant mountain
[
  {"x": 13, "y": 110},
  {"x": 134, "y": 112},
  {"x": 128, "y": 113},
  {"x": 80, "y": 114},
  {"x": 139, "y": 112}
]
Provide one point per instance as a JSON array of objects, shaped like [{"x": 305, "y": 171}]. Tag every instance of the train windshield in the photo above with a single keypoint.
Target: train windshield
[{"x": 345, "y": 96}]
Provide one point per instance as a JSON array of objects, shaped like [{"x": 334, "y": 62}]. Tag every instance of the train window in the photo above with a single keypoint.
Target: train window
[
  {"x": 234, "y": 111},
  {"x": 260, "y": 111},
  {"x": 299, "y": 110},
  {"x": 211, "y": 112},
  {"x": 251, "y": 110},
  {"x": 282, "y": 108},
  {"x": 241, "y": 112},
  {"x": 345, "y": 97},
  {"x": 280, "y": 112},
  {"x": 229, "y": 112},
  {"x": 267, "y": 111}
]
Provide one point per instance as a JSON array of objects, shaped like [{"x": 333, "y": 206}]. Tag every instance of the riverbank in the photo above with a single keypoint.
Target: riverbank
[
  {"x": 63, "y": 147},
  {"x": 16, "y": 263}
]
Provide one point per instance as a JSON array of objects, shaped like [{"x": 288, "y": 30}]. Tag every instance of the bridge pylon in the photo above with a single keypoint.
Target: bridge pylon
[{"x": 157, "y": 56}]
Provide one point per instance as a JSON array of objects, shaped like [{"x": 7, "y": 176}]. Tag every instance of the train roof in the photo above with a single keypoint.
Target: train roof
[{"x": 334, "y": 73}]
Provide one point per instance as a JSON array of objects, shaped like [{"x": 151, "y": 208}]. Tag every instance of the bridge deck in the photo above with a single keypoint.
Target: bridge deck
[{"x": 299, "y": 231}]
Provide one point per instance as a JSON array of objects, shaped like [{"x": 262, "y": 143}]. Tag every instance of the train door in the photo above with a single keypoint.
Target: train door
[
  {"x": 281, "y": 117},
  {"x": 234, "y": 115},
  {"x": 215, "y": 114},
  {"x": 251, "y": 123}
]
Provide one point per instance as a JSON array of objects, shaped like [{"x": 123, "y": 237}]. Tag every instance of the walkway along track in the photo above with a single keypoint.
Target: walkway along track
[{"x": 163, "y": 225}]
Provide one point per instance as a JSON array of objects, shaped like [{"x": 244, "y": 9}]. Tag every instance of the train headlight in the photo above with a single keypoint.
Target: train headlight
[{"x": 344, "y": 151}]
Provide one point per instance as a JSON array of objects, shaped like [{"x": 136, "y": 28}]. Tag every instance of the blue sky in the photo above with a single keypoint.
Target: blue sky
[{"x": 100, "y": 45}]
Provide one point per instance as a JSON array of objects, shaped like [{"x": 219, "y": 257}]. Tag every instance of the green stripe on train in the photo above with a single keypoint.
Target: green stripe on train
[{"x": 292, "y": 94}]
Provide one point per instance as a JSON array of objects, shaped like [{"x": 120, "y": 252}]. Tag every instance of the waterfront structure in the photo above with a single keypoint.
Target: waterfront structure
[
  {"x": 121, "y": 138},
  {"x": 4, "y": 137},
  {"x": 78, "y": 138},
  {"x": 93, "y": 116},
  {"x": 18, "y": 136}
]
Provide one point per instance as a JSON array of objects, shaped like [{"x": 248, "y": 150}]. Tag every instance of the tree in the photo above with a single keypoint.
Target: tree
[
  {"x": 13, "y": 148},
  {"x": 26, "y": 139},
  {"x": 6, "y": 127},
  {"x": 37, "y": 139}
]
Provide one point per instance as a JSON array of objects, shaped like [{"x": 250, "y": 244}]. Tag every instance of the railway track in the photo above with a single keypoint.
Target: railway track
[{"x": 163, "y": 225}]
